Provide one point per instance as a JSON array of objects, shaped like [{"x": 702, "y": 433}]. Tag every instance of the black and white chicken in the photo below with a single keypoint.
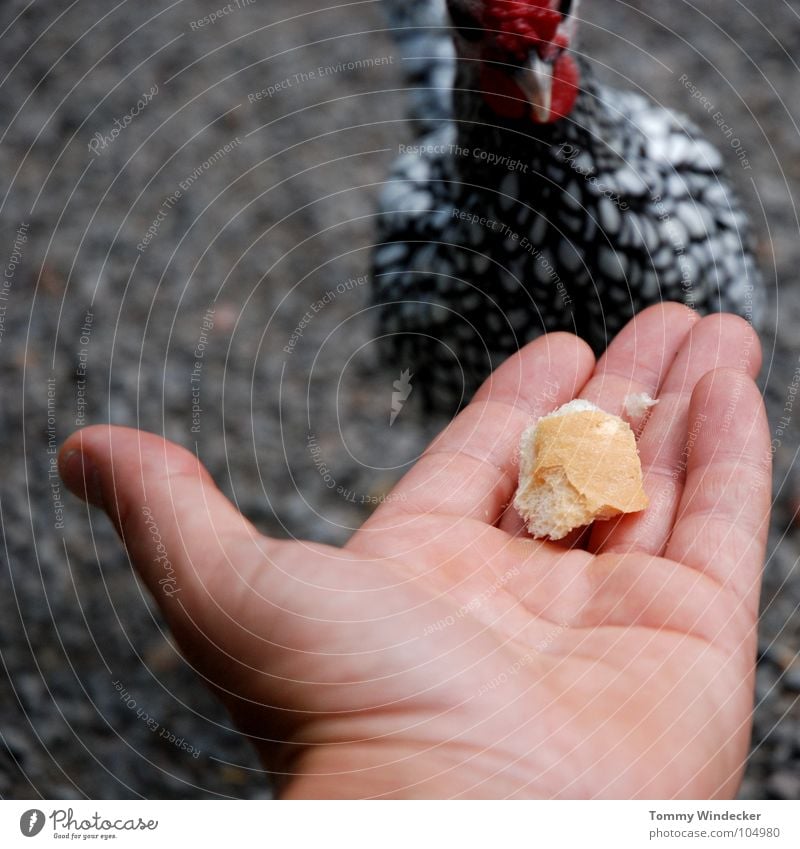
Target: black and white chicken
[{"x": 536, "y": 199}]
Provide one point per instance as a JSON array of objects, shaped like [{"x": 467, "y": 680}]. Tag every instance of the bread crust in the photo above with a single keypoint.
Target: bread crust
[{"x": 577, "y": 465}]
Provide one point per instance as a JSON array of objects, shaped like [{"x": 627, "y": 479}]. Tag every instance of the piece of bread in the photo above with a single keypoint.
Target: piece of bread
[
  {"x": 577, "y": 464},
  {"x": 638, "y": 404}
]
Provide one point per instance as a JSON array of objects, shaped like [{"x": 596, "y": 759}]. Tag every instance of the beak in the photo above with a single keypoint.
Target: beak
[{"x": 535, "y": 79}]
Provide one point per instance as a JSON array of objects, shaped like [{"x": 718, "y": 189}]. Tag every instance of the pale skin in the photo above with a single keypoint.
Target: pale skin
[{"x": 444, "y": 653}]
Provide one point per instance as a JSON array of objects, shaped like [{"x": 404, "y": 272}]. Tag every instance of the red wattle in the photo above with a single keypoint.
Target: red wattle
[{"x": 565, "y": 86}]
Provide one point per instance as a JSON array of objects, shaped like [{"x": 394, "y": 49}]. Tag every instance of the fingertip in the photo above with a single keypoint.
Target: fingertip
[
  {"x": 83, "y": 456},
  {"x": 160, "y": 498},
  {"x": 672, "y": 313},
  {"x": 717, "y": 378},
  {"x": 563, "y": 348},
  {"x": 553, "y": 363},
  {"x": 726, "y": 326},
  {"x": 103, "y": 463},
  {"x": 77, "y": 466},
  {"x": 734, "y": 393},
  {"x": 561, "y": 341},
  {"x": 644, "y": 350}
]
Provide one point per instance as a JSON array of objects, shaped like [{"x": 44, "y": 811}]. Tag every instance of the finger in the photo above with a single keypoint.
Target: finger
[
  {"x": 259, "y": 619},
  {"x": 637, "y": 360},
  {"x": 715, "y": 341},
  {"x": 470, "y": 469},
  {"x": 723, "y": 516},
  {"x": 175, "y": 523}
]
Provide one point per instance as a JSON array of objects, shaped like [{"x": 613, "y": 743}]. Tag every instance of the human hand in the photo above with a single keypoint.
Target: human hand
[{"x": 444, "y": 653}]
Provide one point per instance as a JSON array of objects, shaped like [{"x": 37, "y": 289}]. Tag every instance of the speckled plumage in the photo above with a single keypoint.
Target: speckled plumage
[{"x": 576, "y": 225}]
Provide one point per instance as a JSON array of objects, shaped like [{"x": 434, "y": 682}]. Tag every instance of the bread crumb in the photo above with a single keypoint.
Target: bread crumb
[{"x": 637, "y": 404}]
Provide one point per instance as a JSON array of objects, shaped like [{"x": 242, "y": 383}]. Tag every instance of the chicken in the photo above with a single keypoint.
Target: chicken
[{"x": 537, "y": 200}]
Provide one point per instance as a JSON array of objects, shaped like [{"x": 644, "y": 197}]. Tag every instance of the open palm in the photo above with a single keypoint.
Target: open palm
[{"x": 443, "y": 652}]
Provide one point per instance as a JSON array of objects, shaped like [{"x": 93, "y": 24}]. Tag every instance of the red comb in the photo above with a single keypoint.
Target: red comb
[{"x": 520, "y": 25}]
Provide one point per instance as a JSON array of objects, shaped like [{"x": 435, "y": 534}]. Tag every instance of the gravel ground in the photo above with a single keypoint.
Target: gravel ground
[{"x": 112, "y": 275}]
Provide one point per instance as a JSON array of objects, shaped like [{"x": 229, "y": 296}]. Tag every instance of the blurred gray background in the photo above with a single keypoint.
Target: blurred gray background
[{"x": 112, "y": 275}]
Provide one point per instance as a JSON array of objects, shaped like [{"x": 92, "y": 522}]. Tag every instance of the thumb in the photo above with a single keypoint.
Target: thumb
[{"x": 177, "y": 527}]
